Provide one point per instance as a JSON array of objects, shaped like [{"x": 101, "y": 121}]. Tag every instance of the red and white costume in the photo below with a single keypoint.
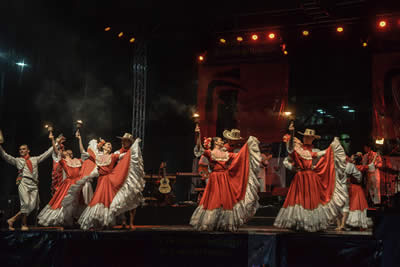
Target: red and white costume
[
  {"x": 64, "y": 206},
  {"x": 28, "y": 175},
  {"x": 318, "y": 190},
  {"x": 119, "y": 186},
  {"x": 358, "y": 203},
  {"x": 230, "y": 198},
  {"x": 374, "y": 180},
  {"x": 57, "y": 174}
]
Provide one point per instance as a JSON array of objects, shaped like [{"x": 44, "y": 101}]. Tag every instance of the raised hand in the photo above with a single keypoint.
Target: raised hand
[
  {"x": 78, "y": 134},
  {"x": 291, "y": 126},
  {"x": 51, "y": 136}
]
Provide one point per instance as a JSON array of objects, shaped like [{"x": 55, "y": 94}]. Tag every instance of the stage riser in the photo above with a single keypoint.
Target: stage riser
[
  {"x": 181, "y": 216},
  {"x": 176, "y": 247}
]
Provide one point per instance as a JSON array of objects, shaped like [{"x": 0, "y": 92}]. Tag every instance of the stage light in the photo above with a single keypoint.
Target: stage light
[
  {"x": 222, "y": 41},
  {"x": 364, "y": 44},
  {"x": 382, "y": 23},
  {"x": 285, "y": 52},
  {"x": 254, "y": 37},
  {"x": 201, "y": 58},
  {"x": 120, "y": 34},
  {"x": 287, "y": 113},
  {"x": 239, "y": 39},
  {"x": 271, "y": 35},
  {"x": 305, "y": 33},
  {"x": 107, "y": 29},
  {"x": 339, "y": 29},
  {"x": 132, "y": 40},
  {"x": 345, "y": 107},
  {"x": 351, "y": 110},
  {"x": 21, "y": 64}
]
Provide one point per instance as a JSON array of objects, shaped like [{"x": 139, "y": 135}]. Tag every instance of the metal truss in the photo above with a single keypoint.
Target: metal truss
[{"x": 139, "y": 90}]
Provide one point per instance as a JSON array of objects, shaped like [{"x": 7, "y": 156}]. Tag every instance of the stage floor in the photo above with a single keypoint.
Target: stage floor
[
  {"x": 187, "y": 228},
  {"x": 180, "y": 245}
]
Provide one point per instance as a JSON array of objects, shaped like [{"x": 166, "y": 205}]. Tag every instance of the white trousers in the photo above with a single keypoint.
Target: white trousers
[{"x": 28, "y": 195}]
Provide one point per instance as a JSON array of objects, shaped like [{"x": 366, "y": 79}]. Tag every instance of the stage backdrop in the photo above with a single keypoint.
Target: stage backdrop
[
  {"x": 386, "y": 95},
  {"x": 249, "y": 97}
]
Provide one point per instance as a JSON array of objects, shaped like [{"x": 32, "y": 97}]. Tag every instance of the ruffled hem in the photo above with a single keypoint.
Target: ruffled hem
[
  {"x": 358, "y": 218},
  {"x": 128, "y": 197},
  {"x": 72, "y": 197},
  {"x": 298, "y": 218},
  {"x": 230, "y": 220},
  {"x": 55, "y": 217}
]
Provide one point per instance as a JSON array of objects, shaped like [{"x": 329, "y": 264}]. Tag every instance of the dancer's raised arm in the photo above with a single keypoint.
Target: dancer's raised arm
[{"x": 78, "y": 135}]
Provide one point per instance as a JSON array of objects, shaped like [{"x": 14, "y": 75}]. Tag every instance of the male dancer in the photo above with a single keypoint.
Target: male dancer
[
  {"x": 27, "y": 181},
  {"x": 374, "y": 162}
]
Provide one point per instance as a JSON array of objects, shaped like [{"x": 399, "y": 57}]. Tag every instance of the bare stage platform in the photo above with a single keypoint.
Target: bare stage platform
[{"x": 174, "y": 245}]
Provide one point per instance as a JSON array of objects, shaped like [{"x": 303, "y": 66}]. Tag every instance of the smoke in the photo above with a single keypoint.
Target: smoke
[
  {"x": 167, "y": 104},
  {"x": 75, "y": 83}
]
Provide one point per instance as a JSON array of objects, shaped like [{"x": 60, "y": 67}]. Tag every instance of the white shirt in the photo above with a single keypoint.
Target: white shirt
[{"x": 20, "y": 163}]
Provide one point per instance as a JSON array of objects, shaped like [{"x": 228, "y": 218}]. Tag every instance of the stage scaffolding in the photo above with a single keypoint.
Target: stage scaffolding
[{"x": 139, "y": 90}]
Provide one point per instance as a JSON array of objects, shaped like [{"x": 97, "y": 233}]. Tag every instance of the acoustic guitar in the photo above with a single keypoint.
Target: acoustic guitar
[{"x": 164, "y": 188}]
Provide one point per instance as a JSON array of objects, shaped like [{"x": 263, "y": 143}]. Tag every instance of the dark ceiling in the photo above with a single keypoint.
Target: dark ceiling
[{"x": 152, "y": 17}]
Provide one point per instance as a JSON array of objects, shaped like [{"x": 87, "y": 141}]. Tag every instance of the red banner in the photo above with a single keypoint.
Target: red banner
[
  {"x": 249, "y": 97},
  {"x": 386, "y": 95}
]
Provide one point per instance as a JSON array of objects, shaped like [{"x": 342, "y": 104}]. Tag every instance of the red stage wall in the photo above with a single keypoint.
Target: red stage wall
[
  {"x": 386, "y": 95},
  {"x": 262, "y": 92}
]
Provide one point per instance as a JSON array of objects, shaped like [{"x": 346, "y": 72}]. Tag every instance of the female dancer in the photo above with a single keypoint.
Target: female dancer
[
  {"x": 119, "y": 186},
  {"x": 230, "y": 198},
  {"x": 63, "y": 206},
  {"x": 317, "y": 192},
  {"x": 358, "y": 202}
]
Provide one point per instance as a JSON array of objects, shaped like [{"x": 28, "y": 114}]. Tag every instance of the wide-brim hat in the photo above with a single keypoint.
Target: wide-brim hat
[
  {"x": 233, "y": 134},
  {"x": 127, "y": 136},
  {"x": 310, "y": 132}
]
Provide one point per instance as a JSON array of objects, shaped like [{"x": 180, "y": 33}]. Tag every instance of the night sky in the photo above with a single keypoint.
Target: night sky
[{"x": 77, "y": 71}]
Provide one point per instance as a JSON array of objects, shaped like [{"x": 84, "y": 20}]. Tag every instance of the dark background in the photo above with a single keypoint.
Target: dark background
[{"x": 76, "y": 70}]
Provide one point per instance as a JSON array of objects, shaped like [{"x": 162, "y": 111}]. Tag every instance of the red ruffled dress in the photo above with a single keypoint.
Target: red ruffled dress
[
  {"x": 358, "y": 202},
  {"x": 59, "y": 211},
  {"x": 230, "y": 197},
  {"x": 119, "y": 186},
  {"x": 318, "y": 190}
]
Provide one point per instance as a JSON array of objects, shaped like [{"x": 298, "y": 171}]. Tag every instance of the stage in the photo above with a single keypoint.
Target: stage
[{"x": 180, "y": 245}]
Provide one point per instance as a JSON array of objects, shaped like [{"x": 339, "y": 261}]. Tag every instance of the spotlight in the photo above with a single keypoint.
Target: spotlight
[
  {"x": 107, "y": 29},
  {"x": 239, "y": 39},
  {"x": 254, "y": 37},
  {"x": 351, "y": 110},
  {"x": 364, "y": 44},
  {"x": 285, "y": 52},
  {"x": 222, "y": 41},
  {"x": 21, "y": 64},
  {"x": 201, "y": 58},
  {"x": 339, "y": 29},
  {"x": 287, "y": 113},
  {"x": 382, "y": 24},
  {"x": 120, "y": 34},
  {"x": 132, "y": 40},
  {"x": 305, "y": 33},
  {"x": 271, "y": 35},
  {"x": 345, "y": 107}
]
